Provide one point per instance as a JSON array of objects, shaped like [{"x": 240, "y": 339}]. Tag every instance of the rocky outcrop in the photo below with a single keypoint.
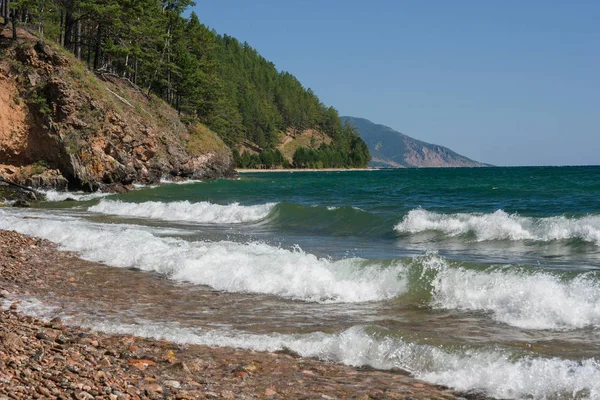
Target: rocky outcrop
[{"x": 95, "y": 131}]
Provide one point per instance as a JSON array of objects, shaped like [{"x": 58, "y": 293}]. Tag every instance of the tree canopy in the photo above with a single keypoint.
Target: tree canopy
[{"x": 216, "y": 79}]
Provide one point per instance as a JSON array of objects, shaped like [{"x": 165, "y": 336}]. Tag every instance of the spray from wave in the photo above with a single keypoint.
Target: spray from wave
[
  {"x": 202, "y": 212},
  {"x": 503, "y": 226}
]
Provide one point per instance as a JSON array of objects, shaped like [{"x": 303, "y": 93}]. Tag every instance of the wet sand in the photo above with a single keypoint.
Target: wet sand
[{"x": 46, "y": 359}]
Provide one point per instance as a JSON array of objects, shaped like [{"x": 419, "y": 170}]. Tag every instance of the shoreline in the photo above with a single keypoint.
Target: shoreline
[
  {"x": 250, "y": 170},
  {"x": 48, "y": 359}
]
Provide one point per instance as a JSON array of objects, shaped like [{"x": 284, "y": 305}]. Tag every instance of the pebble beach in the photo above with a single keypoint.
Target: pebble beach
[{"x": 48, "y": 359}]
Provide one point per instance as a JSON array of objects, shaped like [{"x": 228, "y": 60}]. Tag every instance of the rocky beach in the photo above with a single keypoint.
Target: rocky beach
[{"x": 51, "y": 360}]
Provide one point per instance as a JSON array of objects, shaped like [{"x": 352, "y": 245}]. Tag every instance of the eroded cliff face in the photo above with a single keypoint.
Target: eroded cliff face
[{"x": 62, "y": 124}]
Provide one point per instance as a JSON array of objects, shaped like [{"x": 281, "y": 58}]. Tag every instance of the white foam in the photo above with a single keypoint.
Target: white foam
[
  {"x": 538, "y": 300},
  {"x": 496, "y": 373},
  {"x": 227, "y": 266},
  {"x": 183, "y": 182},
  {"x": 202, "y": 212},
  {"x": 53, "y": 195},
  {"x": 502, "y": 226}
]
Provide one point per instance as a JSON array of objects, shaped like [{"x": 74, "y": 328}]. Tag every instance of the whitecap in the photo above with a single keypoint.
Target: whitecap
[
  {"x": 202, "y": 212},
  {"x": 502, "y": 226}
]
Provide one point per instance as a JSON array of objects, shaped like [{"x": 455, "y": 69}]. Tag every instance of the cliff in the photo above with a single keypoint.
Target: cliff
[
  {"x": 63, "y": 126},
  {"x": 392, "y": 149}
]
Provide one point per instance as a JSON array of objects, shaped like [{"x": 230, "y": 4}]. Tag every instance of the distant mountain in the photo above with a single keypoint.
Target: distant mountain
[{"x": 392, "y": 149}]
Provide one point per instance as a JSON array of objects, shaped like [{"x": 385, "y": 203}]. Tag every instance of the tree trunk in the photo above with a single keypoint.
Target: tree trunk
[
  {"x": 13, "y": 17},
  {"x": 169, "y": 91},
  {"x": 61, "y": 38},
  {"x": 4, "y": 9},
  {"x": 89, "y": 46},
  {"x": 78, "y": 39},
  {"x": 3, "y": 12},
  {"x": 126, "y": 65},
  {"x": 98, "y": 47},
  {"x": 69, "y": 23}
]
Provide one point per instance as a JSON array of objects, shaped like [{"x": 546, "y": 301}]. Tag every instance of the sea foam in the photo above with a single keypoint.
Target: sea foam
[
  {"x": 496, "y": 373},
  {"x": 228, "y": 266},
  {"x": 53, "y": 195},
  {"x": 201, "y": 212},
  {"x": 503, "y": 226},
  {"x": 530, "y": 300}
]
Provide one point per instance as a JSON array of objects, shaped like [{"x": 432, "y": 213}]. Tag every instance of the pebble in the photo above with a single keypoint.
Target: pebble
[{"x": 172, "y": 384}]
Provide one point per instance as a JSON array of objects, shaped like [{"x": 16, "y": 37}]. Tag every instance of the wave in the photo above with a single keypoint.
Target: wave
[
  {"x": 497, "y": 373},
  {"x": 523, "y": 297},
  {"x": 202, "y": 212},
  {"x": 335, "y": 220},
  {"x": 182, "y": 182},
  {"x": 54, "y": 196},
  {"x": 503, "y": 226},
  {"x": 227, "y": 266}
]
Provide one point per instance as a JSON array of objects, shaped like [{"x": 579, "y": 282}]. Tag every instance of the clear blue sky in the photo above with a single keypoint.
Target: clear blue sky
[{"x": 503, "y": 82}]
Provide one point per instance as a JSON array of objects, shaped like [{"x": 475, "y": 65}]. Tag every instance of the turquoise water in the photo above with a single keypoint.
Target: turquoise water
[{"x": 464, "y": 277}]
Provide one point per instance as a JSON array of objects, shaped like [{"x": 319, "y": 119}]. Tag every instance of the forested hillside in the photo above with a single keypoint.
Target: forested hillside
[{"x": 212, "y": 78}]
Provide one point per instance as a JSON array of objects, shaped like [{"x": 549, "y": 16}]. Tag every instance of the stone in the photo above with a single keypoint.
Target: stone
[
  {"x": 227, "y": 394},
  {"x": 270, "y": 392},
  {"x": 105, "y": 362},
  {"x": 42, "y": 335},
  {"x": 169, "y": 357},
  {"x": 4, "y": 293},
  {"x": 153, "y": 388},
  {"x": 4, "y": 378},
  {"x": 12, "y": 340},
  {"x": 44, "y": 391},
  {"x": 21, "y": 203},
  {"x": 141, "y": 364},
  {"x": 83, "y": 395},
  {"x": 172, "y": 384}
]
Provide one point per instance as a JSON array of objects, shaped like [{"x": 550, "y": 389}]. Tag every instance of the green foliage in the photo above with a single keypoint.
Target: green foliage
[
  {"x": 38, "y": 100},
  {"x": 39, "y": 167},
  {"x": 267, "y": 159},
  {"x": 214, "y": 79}
]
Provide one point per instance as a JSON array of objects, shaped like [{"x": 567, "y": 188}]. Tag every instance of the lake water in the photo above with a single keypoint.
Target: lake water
[{"x": 484, "y": 280}]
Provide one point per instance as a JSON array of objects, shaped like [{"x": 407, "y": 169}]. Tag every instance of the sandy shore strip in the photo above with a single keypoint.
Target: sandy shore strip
[
  {"x": 51, "y": 360},
  {"x": 246, "y": 170}
]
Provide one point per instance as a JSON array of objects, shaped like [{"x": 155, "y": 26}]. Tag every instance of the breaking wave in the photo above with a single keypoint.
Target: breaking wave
[
  {"x": 503, "y": 226},
  {"x": 202, "y": 212},
  {"x": 519, "y": 296},
  {"x": 54, "y": 196},
  {"x": 252, "y": 267}
]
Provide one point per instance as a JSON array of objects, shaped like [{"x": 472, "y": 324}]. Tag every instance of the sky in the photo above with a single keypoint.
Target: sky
[{"x": 502, "y": 82}]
